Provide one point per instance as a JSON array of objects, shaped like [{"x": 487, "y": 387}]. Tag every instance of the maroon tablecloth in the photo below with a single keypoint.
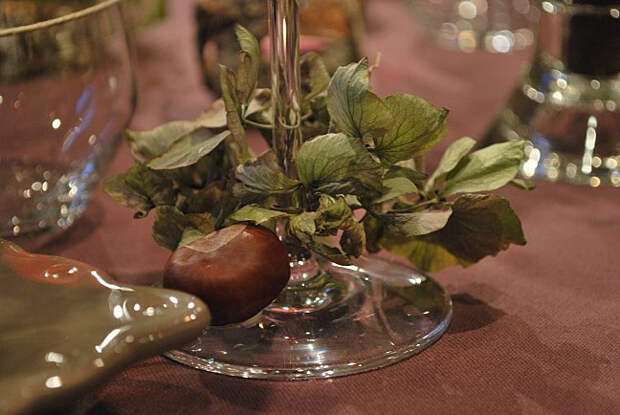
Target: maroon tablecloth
[{"x": 536, "y": 330}]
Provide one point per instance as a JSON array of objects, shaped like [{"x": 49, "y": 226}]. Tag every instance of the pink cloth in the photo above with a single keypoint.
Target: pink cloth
[{"x": 536, "y": 329}]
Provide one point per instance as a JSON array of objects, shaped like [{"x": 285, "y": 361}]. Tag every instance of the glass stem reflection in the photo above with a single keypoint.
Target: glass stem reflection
[{"x": 285, "y": 80}]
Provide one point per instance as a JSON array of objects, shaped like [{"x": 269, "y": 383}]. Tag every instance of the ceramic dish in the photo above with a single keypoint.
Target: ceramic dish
[{"x": 66, "y": 326}]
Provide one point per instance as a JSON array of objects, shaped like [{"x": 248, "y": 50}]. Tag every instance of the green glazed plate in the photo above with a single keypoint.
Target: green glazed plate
[{"x": 66, "y": 326}]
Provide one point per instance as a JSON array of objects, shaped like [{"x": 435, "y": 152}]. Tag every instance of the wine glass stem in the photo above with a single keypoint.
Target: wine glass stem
[
  {"x": 285, "y": 80},
  {"x": 286, "y": 102}
]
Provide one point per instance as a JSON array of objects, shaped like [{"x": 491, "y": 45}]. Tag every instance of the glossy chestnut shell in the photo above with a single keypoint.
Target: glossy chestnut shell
[{"x": 237, "y": 271}]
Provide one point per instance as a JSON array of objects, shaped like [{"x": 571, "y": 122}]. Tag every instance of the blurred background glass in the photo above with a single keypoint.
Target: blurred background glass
[
  {"x": 143, "y": 13},
  {"x": 497, "y": 26},
  {"x": 334, "y": 28},
  {"x": 568, "y": 105},
  {"x": 66, "y": 94}
]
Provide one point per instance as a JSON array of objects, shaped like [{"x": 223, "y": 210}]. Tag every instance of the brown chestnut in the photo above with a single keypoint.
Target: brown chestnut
[{"x": 237, "y": 271}]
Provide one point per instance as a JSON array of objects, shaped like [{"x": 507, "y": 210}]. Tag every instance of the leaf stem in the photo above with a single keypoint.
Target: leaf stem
[
  {"x": 257, "y": 124},
  {"x": 427, "y": 203}
]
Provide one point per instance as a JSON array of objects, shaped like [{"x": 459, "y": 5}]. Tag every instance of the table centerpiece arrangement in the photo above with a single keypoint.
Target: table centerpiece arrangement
[{"x": 344, "y": 178}]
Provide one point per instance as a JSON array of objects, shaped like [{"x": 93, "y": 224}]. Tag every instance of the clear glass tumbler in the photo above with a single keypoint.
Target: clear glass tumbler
[
  {"x": 66, "y": 94},
  {"x": 568, "y": 104}
]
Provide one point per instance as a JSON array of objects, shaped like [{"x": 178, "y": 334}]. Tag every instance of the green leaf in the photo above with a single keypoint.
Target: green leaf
[
  {"x": 450, "y": 159},
  {"x": 213, "y": 117},
  {"x": 203, "y": 222},
  {"x": 208, "y": 169},
  {"x": 171, "y": 226},
  {"x": 204, "y": 199},
  {"x": 265, "y": 177},
  {"x": 248, "y": 44},
  {"x": 167, "y": 231},
  {"x": 136, "y": 200},
  {"x": 255, "y": 214},
  {"x": 319, "y": 78},
  {"x": 244, "y": 82},
  {"x": 334, "y": 214},
  {"x": 302, "y": 227},
  {"x": 247, "y": 74},
  {"x": 353, "y": 201},
  {"x": 419, "y": 223},
  {"x": 238, "y": 143},
  {"x": 140, "y": 189},
  {"x": 190, "y": 235},
  {"x": 401, "y": 171},
  {"x": 426, "y": 255},
  {"x": 188, "y": 150},
  {"x": 373, "y": 228},
  {"x": 330, "y": 253},
  {"x": 261, "y": 102},
  {"x": 151, "y": 144},
  {"x": 417, "y": 126},
  {"x": 395, "y": 187},
  {"x": 337, "y": 164},
  {"x": 355, "y": 110},
  {"x": 353, "y": 239},
  {"x": 318, "y": 122},
  {"x": 320, "y": 112},
  {"x": 486, "y": 169},
  {"x": 523, "y": 184},
  {"x": 480, "y": 226}
]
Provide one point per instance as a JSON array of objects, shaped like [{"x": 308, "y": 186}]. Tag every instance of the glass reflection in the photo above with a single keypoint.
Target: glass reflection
[
  {"x": 66, "y": 91},
  {"x": 64, "y": 323},
  {"x": 566, "y": 106}
]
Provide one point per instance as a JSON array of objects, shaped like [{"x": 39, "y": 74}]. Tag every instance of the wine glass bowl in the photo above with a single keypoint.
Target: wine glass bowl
[{"x": 66, "y": 94}]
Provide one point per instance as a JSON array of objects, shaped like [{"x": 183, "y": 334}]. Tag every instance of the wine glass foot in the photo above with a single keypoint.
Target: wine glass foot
[{"x": 361, "y": 318}]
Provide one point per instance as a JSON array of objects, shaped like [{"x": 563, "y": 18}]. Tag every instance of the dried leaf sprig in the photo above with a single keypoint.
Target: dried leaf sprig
[{"x": 359, "y": 173}]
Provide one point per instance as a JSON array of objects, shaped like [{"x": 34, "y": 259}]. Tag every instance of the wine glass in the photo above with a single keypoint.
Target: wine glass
[
  {"x": 330, "y": 320},
  {"x": 66, "y": 93}
]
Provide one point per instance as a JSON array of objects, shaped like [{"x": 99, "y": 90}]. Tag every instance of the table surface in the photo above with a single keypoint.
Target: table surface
[{"x": 536, "y": 330}]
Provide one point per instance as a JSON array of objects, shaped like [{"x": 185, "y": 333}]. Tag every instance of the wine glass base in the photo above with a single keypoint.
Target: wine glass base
[{"x": 361, "y": 318}]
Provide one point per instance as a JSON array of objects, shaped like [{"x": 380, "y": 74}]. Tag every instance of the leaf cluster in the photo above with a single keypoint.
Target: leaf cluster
[{"x": 358, "y": 182}]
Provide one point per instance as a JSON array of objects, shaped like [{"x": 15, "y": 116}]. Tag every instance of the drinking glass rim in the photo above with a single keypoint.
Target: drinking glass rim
[{"x": 44, "y": 24}]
